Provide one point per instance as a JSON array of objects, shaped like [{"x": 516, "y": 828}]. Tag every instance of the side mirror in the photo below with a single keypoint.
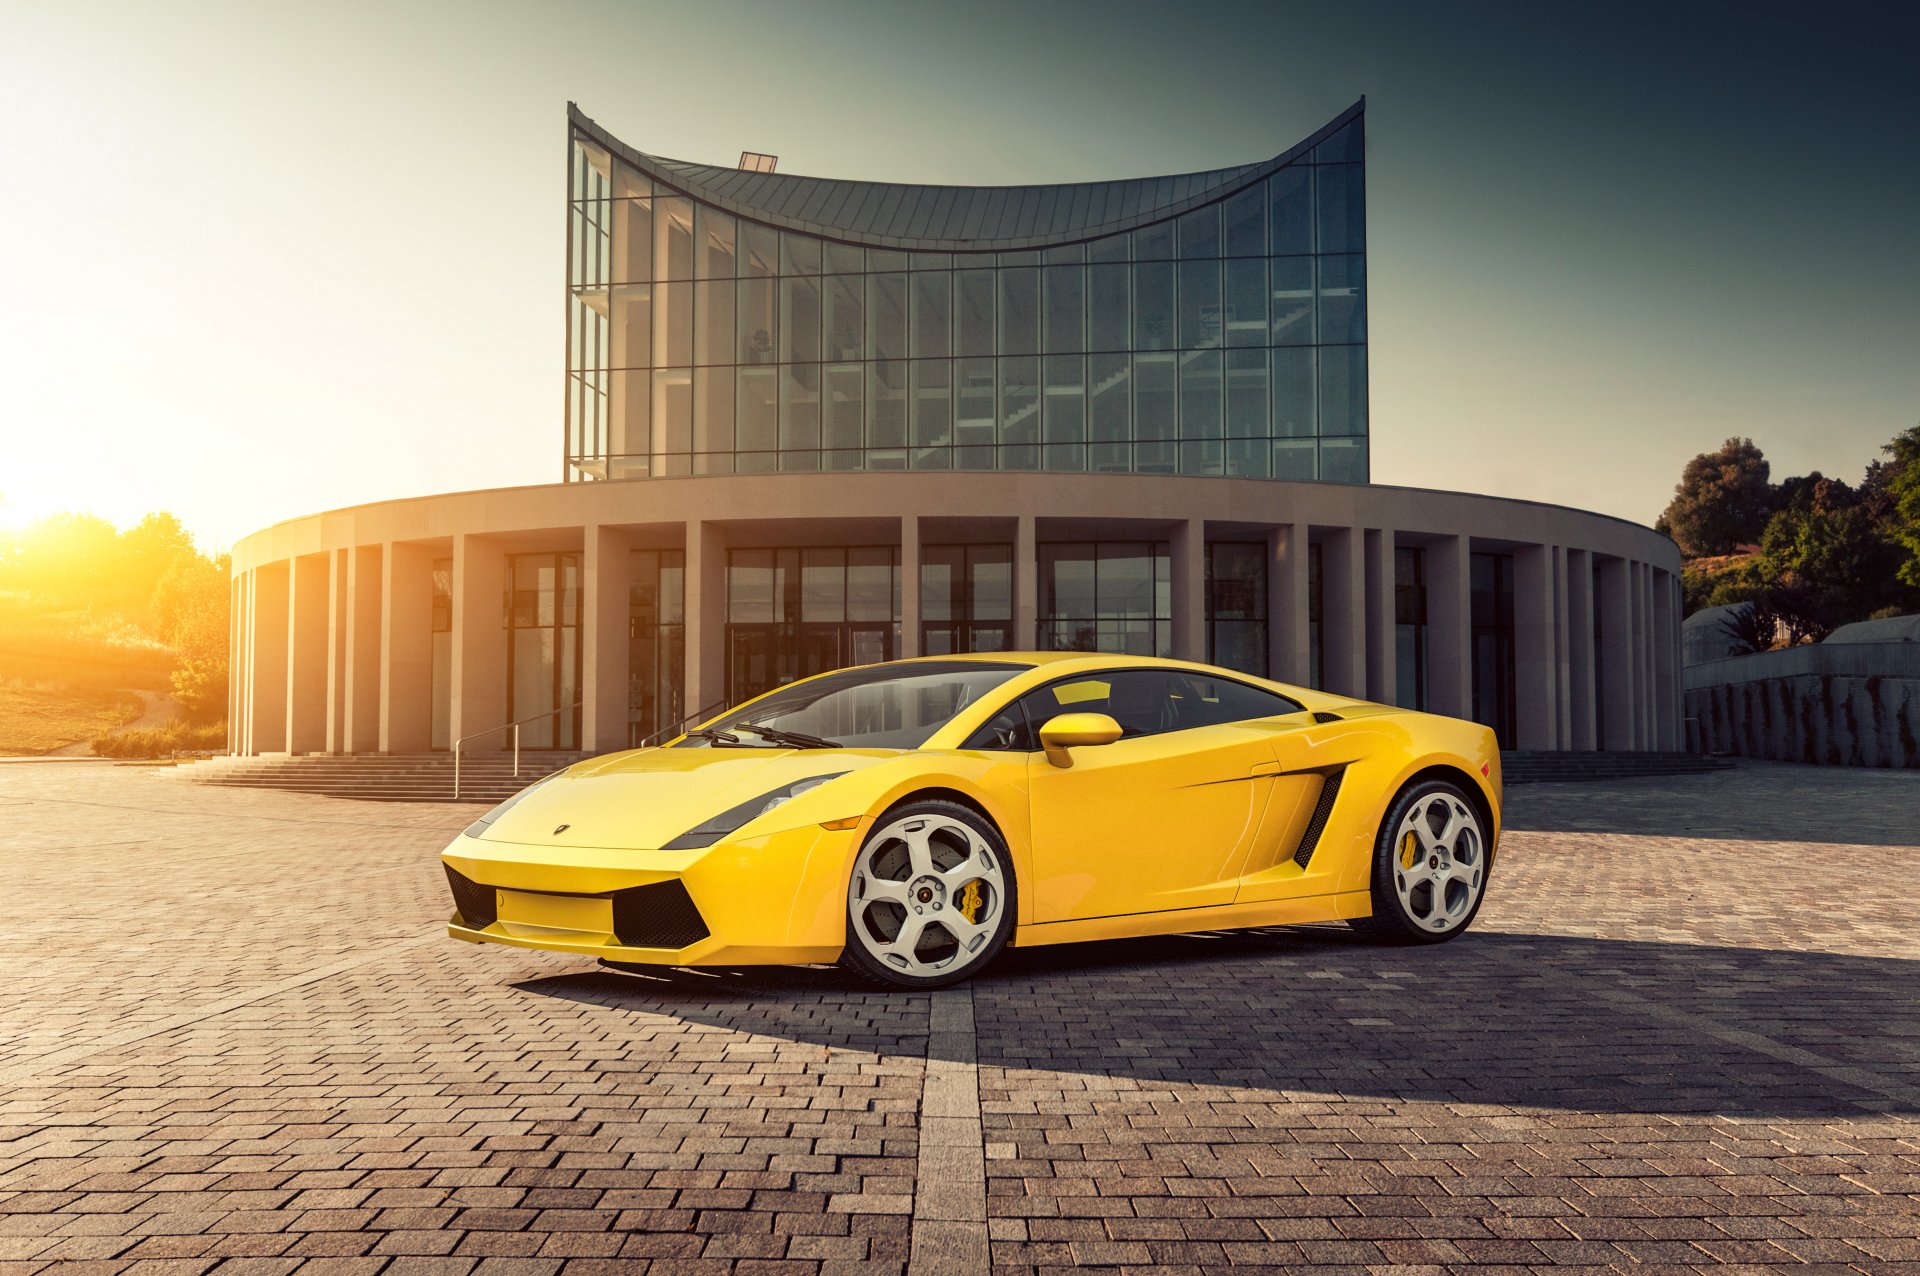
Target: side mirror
[{"x": 1076, "y": 731}]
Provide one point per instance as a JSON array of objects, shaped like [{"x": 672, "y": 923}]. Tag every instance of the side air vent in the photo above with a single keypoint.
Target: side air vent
[
  {"x": 479, "y": 907},
  {"x": 1322, "y": 811},
  {"x": 1323, "y": 716},
  {"x": 658, "y": 916}
]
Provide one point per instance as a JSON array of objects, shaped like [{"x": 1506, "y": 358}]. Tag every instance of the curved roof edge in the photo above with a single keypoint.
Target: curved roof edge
[{"x": 950, "y": 218}]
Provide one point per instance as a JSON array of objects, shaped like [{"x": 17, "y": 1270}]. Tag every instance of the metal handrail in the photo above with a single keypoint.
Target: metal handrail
[{"x": 506, "y": 726}]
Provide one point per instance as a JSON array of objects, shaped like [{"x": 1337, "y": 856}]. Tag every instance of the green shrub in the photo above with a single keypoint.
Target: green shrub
[{"x": 160, "y": 742}]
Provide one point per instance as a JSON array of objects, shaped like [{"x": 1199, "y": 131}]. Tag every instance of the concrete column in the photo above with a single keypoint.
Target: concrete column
[
  {"x": 268, "y": 700},
  {"x": 606, "y": 578},
  {"x": 1535, "y": 643},
  {"x": 406, "y": 648},
  {"x": 1666, "y": 692},
  {"x": 1643, "y": 650},
  {"x": 1562, "y": 690},
  {"x": 1026, "y": 585},
  {"x": 1379, "y": 613},
  {"x": 909, "y": 587},
  {"x": 706, "y": 613},
  {"x": 1343, "y": 612},
  {"x": 236, "y": 662},
  {"x": 1187, "y": 561},
  {"x": 1450, "y": 627},
  {"x": 336, "y": 649},
  {"x": 479, "y": 642},
  {"x": 1287, "y": 618},
  {"x": 1616, "y": 653},
  {"x": 360, "y": 697},
  {"x": 1580, "y": 653},
  {"x": 308, "y": 608}
]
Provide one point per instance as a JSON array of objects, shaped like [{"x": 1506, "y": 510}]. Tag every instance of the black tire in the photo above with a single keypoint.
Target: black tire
[
  {"x": 1392, "y": 922},
  {"x": 866, "y": 964}
]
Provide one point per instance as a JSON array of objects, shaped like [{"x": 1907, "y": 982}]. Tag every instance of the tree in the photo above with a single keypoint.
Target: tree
[
  {"x": 1752, "y": 626},
  {"x": 1721, "y": 502},
  {"x": 191, "y": 605},
  {"x": 1894, "y": 489}
]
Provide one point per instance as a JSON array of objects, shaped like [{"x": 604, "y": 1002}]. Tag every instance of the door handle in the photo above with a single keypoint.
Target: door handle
[{"x": 1264, "y": 768}]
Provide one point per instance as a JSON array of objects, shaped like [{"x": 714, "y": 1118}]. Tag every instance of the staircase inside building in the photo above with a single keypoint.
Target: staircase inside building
[
  {"x": 485, "y": 777},
  {"x": 1541, "y": 767}
]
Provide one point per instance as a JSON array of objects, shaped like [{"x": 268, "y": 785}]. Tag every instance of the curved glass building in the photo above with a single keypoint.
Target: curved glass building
[
  {"x": 812, "y": 423},
  {"x": 722, "y": 321}
]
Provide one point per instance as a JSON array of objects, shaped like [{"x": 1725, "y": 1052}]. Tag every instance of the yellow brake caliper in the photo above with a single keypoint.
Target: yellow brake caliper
[
  {"x": 1409, "y": 850},
  {"x": 971, "y": 903}
]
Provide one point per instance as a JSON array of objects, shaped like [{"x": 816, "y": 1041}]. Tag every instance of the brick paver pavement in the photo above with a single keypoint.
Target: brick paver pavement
[{"x": 233, "y": 1038}]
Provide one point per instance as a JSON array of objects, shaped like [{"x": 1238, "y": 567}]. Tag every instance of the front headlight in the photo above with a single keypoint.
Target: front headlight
[
  {"x": 707, "y": 832},
  {"x": 480, "y": 825}
]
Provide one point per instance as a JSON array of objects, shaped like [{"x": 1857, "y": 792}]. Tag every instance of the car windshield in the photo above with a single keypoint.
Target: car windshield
[{"x": 890, "y": 706}]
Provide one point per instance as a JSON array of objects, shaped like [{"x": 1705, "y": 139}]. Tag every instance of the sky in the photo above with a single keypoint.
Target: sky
[{"x": 258, "y": 261}]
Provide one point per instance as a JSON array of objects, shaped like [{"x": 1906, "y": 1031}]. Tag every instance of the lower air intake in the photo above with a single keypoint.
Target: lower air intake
[
  {"x": 478, "y": 905},
  {"x": 1322, "y": 812},
  {"x": 658, "y": 916}
]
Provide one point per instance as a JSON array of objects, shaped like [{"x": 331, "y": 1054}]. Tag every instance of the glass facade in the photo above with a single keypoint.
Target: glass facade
[
  {"x": 442, "y": 694},
  {"x": 543, "y": 649},
  {"x": 966, "y": 599},
  {"x": 1227, "y": 339},
  {"x": 656, "y": 643},
  {"x": 794, "y": 612},
  {"x": 1493, "y": 665},
  {"x": 1237, "y": 605},
  {"x": 1410, "y": 628},
  {"x": 1115, "y": 597}
]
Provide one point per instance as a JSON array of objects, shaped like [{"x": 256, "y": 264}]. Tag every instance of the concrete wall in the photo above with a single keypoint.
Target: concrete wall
[
  {"x": 1854, "y": 704},
  {"x": 349, "y": 592}
]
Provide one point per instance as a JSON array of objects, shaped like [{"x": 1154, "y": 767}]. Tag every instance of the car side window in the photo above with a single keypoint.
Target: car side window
[{"x": 1202, "y": 701}]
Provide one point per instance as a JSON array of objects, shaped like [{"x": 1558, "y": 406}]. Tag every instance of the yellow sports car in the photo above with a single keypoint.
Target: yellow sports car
[{"x": 910, "y": 819}]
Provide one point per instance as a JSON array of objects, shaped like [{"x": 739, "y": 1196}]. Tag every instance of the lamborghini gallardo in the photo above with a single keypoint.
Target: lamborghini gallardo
[{"x": 911, "y": 819}]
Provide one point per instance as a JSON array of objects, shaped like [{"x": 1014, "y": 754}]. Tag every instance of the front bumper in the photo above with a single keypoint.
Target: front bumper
[{"x": 775, "y": 899}]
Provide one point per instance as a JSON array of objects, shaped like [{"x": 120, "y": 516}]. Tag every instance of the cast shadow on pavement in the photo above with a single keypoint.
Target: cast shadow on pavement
[{"x": 1530, "y": 1021}]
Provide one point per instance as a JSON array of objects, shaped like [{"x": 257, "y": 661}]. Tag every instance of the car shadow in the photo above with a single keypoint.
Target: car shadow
[{"x": 1492, "y": 1019}]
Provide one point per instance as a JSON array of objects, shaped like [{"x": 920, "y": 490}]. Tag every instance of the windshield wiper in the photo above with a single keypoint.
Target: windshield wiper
[
  {"x": 792, "y": 739},
  {"x": 712, "y": 736}
]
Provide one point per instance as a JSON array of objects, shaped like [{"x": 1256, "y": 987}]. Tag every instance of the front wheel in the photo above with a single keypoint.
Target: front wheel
[
  {"x": 931, "y": 897},
  {"x": 1429, "y": 867}
]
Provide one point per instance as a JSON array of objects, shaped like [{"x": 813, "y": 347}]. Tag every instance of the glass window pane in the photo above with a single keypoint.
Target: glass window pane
[
  {"x": 1066, "y": 580},
  {"x": 1200, "y": 395},
  {"x": 844, "y": 426},
  {"x": 1246, "y": 301},
  {"x": 845, "y": 324},
  {"x": 673, "y": 421},
  {"x": 942, "y": 578},
  {"x": 974, "y": 393},
  {"x": 1200, "y": 232},
  {"x": 672, "y": 324},
  {"x": 973, "y": 312},
  {"x": 1019, "y": 413},
  {"x": 1108, "y": 308},
  {"x": 932, "y": 290},
  {"x": 823, "y": 585},
  {"x": 673, "y": 237},
  {"x": 1114, "y": 248},
  {"x": 887, "y": 404},
  {"x": 632, "y": 343},
  {"x": 799, "y": 320},
  {"x": 714, "y": 331},
  {"x": 712, "y": 414},
  {"x": 1199, "y": 304},
  {"x": 1245, "y": 216},
  {"x": 886, "y": 316},
  {"x": 870, "y": 582},
  {"x": 1153, "y": 243},
  {"x": 799, "y": 409},
  {"x": 1065, "y": 286},
  {"x": 1066, "y": 400},
  {"x": 750, "y": 586},
  {"x": 932, "y": 403},
  {"x": 1065, "y": 254},
  {"x": 757, "y": 424},
  {"x": 932, "y": 261},
  {"x": 1294, "y": 459},
  {"x": 716, "y": 236},
  {"x": 1292, "y": 388},
  {"x": 1342, "y": 208},
  {"x": 885, "y": 259},
  {"x": 799, "y": 254},
  {"x": 1343, "y": 460},
  {"x": 1343, "y": 145},
  {"x": 1343, "y": 311},
  {"x": 1025, "y": 257},
  {"x": 844, "y": 259},
  {"x": 1247, "y": 458},
  {"x": 1155, "y": 414},
  {"x": 1343, "y": 390},
  {"x": 1110, "y": 398},
  {"x": 1019, "y": 309},
  {"x": 1153, "y": 306},
  {"x": 629, "y": 181},
  {"x": 1247, "y": 394},
  {"x": 756, "y": 320},
  {"x": 1292, "y": 301},
  {"x": 1290, "y": 208},
  {"x": 630, "y": 417},
  {"x": 633, "y": 240},
  {"x": 990, "y": 581},
  {"x": 1123, "y": 582},
  {"x": 759, "y": 250}
]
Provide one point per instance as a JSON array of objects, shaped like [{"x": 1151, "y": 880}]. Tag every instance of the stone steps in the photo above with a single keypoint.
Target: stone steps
[
  {"x": 409, "y": 777},
  {"x": 1536, "y": 767}
]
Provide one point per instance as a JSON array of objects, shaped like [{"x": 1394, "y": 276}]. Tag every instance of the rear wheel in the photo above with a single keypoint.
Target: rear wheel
[
  {"x": 1429, "y": 866},
  {"x": 931, "y": 897}
]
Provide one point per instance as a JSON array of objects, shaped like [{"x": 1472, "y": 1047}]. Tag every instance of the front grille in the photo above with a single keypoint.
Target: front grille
[
  {"x": 1322, "y": 812},
  {"x": 661, "y": 915},
  {"x": 478, "y": 905}
]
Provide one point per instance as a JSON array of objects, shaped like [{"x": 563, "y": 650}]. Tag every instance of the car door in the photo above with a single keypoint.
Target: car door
[{"x": 1164, "y": 817}]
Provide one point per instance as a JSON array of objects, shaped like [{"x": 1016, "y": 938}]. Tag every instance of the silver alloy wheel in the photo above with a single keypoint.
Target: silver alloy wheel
[
  {"x": 1439, "y": 862},
  {"x": 908, "y": 899}
]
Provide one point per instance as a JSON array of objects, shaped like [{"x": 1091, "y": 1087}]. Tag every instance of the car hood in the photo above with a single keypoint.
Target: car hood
[{"x": 646, "y": 798}]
